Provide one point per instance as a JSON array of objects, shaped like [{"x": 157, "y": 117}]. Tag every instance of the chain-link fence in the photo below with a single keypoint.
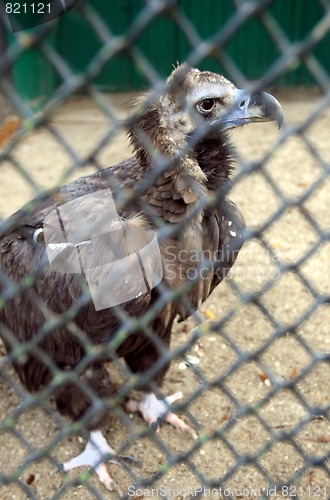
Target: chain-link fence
[{"x": 253, "y": 360}]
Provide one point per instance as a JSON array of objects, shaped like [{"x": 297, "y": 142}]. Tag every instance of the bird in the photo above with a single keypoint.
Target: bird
[{"x": 88, "y": 239}]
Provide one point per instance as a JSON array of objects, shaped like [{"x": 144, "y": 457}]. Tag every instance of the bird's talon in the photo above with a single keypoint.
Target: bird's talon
[
  {"x": 154, "y": 426},
  {"x": 129, "y": 458},
  {"x": 95, "y": 455},
  {"x": 153, "y": 410},
  {"x": 113, "y": 486}
]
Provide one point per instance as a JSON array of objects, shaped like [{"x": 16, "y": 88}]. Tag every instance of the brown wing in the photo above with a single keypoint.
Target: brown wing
[
  {"x": 223, "y": 230},
  {"x": 231, "y": 227},
  {"x": 44, "y": 291}
]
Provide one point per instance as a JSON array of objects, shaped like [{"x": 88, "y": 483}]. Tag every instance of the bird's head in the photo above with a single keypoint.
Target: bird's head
[
  {"x": 196, "y": 102},
  {"x": 198, "y": 97}
]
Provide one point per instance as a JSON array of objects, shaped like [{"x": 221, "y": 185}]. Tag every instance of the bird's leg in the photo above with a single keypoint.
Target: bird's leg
[
  {"x": 152, "y": 409},
  {"x": 96, "y": 453}
]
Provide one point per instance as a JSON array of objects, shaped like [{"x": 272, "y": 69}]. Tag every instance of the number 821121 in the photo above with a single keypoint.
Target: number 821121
[{"x": 28, "y": 8}]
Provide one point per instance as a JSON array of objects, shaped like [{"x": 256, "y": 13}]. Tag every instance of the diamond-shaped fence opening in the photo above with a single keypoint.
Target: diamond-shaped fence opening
[{"x": 252, "y": 358}]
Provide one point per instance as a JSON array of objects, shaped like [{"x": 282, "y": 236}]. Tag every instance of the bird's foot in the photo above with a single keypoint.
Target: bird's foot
[
  {"x": 96, "y": 453},
  {"x": 152, "y": 409}
]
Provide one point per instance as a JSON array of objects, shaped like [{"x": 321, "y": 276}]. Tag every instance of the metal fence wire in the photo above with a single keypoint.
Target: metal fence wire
[{"x": 253, "y": 360}]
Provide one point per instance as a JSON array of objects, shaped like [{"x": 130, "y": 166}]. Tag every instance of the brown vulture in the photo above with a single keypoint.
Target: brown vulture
[{"x": 173, "y": 187}]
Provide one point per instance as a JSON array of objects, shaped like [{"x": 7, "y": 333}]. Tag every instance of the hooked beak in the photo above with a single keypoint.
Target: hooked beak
[{"x": 258, "y": 107}]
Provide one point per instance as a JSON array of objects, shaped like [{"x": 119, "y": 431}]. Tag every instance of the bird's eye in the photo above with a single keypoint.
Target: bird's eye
[{"x": 206, "y": 105}]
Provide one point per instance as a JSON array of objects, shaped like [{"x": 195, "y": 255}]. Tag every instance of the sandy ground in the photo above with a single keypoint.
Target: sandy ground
[{"x": 279, "y": 435}]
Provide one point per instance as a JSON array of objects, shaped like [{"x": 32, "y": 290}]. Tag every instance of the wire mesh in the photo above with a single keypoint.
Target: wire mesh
[{"x": 253, "y": 362}]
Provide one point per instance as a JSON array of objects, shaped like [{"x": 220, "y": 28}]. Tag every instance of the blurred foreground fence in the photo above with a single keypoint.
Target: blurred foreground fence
[{"x": 121, "y": 50}]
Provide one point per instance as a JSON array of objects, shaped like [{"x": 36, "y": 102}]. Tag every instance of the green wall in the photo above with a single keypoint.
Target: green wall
[{"x": 164, "y": 42}]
